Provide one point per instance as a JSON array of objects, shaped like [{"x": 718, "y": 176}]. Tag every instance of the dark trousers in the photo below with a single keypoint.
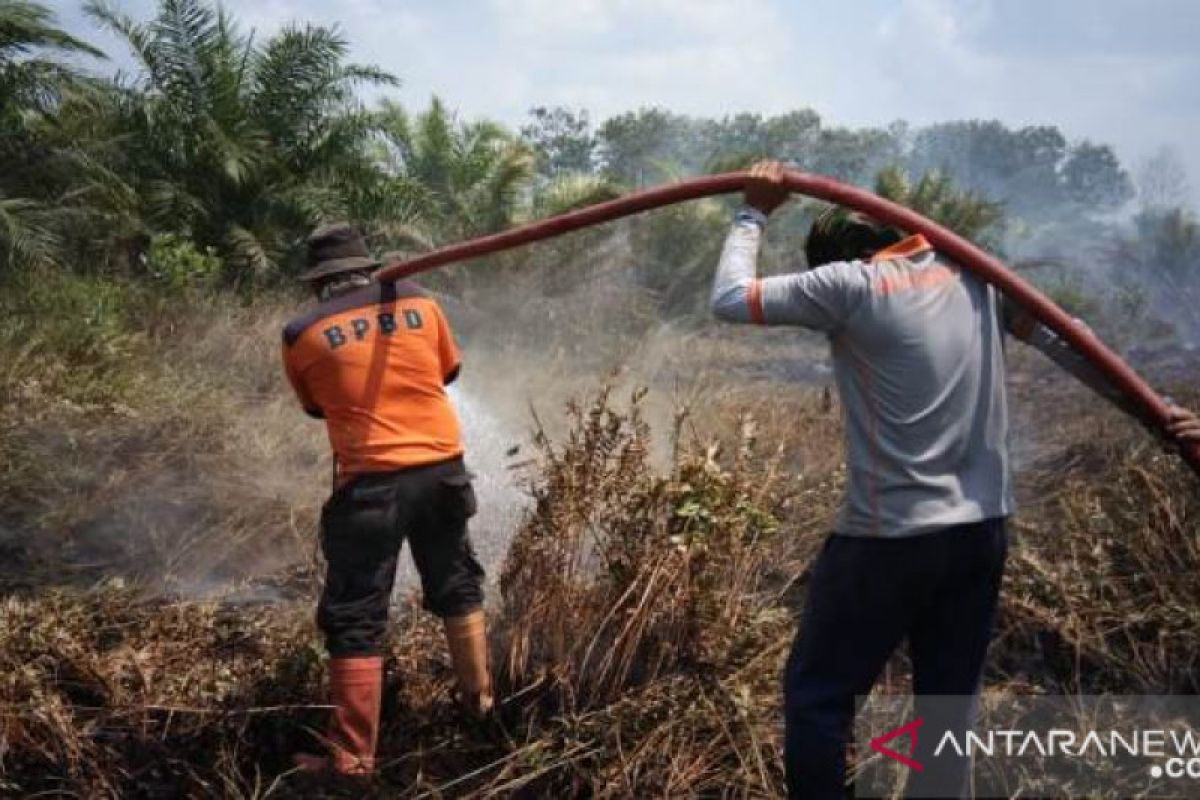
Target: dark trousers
[
  {"x": 363, "y": 525},
  {"x": 939, "y": 590}
]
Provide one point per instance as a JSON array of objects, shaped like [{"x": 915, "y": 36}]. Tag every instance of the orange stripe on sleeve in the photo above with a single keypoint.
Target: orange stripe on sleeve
[{"x": 754, "y": 301}]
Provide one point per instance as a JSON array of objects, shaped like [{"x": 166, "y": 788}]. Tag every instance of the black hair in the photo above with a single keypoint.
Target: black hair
[{"x": 838, "y": 234}]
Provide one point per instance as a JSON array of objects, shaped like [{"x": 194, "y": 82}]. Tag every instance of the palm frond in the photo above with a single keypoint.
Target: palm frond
[
  {"x": 732, "y": 162},
  {"x": 571, "y": 191},
  {"x": 137, "y": 37},
  {"x": 935, "y": 196},
  {"x": 363, "y": 73},
  {"x": 494, "y": 197},
  {"x": 26, "y": 236},
  {"x": 247, "y": 252},
  {"x": 26, "y": 26},
  {"x": 172, "y": 207}
]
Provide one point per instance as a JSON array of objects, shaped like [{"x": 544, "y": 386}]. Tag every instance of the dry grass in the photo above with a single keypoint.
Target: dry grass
[
  {"x": 645, "y": 606},
  {"x": 630, "y": 600},
  {"x": 1102, "y": 591},
  {"x": 174, "y": 460}
]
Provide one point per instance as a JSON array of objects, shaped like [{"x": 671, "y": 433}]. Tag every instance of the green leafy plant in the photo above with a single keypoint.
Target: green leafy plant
[
  {"x": 178, "y": 264},
  {"x": 936, "y": 196},
  {"x": 240, "y": 144}
]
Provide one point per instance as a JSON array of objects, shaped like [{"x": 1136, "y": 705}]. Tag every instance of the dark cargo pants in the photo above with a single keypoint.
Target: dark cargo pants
[
  {"x": 939, "y": 590},
  {"x": 363, "y": 525}
]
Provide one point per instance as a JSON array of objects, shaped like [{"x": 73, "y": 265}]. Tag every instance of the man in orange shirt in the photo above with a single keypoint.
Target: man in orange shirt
[{"x": 373, "y": 359}]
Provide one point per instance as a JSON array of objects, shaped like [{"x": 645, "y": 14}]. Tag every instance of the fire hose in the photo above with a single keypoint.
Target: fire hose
[{"x": 1153, "y": 408}]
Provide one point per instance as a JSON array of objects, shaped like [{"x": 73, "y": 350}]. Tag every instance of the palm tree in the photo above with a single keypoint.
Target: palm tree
[
  {"x": 467, "y": 178},
  {"x": 241, "y": 146},
  {"x": 29, "y": 84},
  {"x": 462, "y": 179},
  {"x": 568, "y": 191},
  {"x": 935, "y": 196},
  {"x": 31, "y": 89}
]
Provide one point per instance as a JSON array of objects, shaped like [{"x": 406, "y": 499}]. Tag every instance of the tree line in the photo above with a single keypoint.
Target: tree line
[{"x": 221, "y": 149}]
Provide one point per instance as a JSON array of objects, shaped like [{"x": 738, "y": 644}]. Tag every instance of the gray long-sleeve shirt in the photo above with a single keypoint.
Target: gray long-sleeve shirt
[
  {"x": 918, "y": 359},
  {"x": 919, "y": 364}
]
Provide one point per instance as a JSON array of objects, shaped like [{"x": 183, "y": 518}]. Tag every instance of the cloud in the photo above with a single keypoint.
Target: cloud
[
  {"x": 537, "y": 20},
  {"x": 612, "y": 56},
  {"x": 1108, "y": 70},
  {"x": 1098, "y": 70}
]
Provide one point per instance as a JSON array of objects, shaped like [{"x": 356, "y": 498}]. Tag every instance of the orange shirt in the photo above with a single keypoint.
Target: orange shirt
[{"x": 374, "y": 364}]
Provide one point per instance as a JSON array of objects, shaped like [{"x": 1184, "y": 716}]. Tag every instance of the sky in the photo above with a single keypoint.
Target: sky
[{"x": 1122, "y": 72}]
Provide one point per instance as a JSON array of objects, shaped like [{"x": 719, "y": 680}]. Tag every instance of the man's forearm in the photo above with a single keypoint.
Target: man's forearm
[
  {"x": 1024, "y": 326},
  {"x": 733, "y": 288},
  {"x": 1068, "y": 358}
]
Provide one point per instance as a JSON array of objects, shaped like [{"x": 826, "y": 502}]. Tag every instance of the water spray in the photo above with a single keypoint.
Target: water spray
[{"x": 962, "y": 252}]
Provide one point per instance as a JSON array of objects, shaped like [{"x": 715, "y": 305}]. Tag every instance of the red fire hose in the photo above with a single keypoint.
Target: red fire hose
[{"x": 952, "y": 245}]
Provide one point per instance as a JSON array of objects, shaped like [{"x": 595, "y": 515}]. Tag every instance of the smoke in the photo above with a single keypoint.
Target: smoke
[
  {"x": 567, "y": 318},
  {"x": 494, "y": 448},
  {"x": 208, "y": 481},
  {"x": 1135, "y": 280}
]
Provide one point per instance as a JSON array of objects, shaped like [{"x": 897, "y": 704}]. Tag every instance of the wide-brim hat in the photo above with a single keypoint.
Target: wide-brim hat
[{"x": 336, "y": 248}]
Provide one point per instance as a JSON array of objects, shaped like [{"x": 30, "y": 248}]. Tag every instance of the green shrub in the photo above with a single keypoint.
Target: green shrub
[
  {"x": 76, "y": 336},
  {"x": 179, "y": 264}
]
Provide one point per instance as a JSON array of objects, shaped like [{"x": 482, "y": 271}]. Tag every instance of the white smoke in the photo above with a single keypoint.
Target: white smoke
[{"x": 492, "y": 446}]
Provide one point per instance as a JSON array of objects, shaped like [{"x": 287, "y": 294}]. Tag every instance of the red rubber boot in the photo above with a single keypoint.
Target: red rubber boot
[
  {"x": 355, "y": 691},
  {"x": 466, "y": 637}
]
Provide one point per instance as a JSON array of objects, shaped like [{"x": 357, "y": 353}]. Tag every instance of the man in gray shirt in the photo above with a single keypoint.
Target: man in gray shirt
[{"x": 918, "y": 549}]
